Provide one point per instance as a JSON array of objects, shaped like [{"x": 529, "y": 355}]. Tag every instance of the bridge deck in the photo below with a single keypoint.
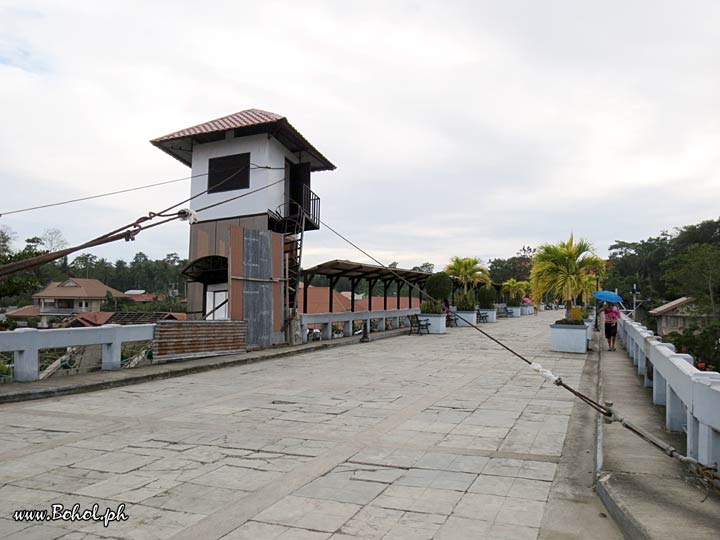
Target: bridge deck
[{"x": 409, "y": 437}]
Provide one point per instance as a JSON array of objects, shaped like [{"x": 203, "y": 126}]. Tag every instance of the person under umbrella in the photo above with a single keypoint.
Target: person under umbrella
[{"x": 612, "y": 315}]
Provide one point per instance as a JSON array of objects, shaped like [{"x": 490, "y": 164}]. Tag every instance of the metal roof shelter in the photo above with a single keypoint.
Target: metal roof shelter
[
  {"x": 356, "y": 272},
  {"x": 249, "y": 122}
]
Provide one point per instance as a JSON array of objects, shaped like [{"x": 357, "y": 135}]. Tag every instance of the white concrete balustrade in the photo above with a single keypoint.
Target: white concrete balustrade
[
  {"x": 347, "y": 317},
  {"x": 25, "y": 343},
  {"x": 691, "y": 397}
]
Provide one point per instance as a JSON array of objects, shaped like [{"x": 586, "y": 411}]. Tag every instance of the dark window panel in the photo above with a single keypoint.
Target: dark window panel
[{"x": 229, "y": 173}]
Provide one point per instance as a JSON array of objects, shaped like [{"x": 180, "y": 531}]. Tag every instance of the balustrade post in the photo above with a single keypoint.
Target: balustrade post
[
  {"x": 26, "y": 362},
  {"x": 112, "y": 350}
]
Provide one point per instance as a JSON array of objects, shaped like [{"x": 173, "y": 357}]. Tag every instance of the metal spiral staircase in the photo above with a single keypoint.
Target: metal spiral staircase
[{"x": 292, "y": 219}]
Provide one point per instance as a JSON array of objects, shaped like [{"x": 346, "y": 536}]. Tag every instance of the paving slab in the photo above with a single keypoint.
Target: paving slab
[{"x": 438, "y": 437}]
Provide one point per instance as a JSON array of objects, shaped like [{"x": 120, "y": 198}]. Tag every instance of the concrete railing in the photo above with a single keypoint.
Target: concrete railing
[
  {"x": 26, "y": 342},
  {"x": 347, "y": 317},
  {"x": 691, "y": 397}
]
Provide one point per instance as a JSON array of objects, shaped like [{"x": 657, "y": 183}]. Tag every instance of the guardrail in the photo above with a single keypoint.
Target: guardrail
[
  {"x": 25, "y": 343},
  {"x": 347, "y": 317},
  {"x": 691, "y": 397}
]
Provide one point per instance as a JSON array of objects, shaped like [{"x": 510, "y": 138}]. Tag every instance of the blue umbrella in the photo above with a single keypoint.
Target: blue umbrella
[{"x": 607, "y": 296}]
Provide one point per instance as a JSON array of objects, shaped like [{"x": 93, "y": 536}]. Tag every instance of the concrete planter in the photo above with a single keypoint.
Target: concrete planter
[
  {"x": 514, "y": 311},
  {"x": 469, "y": 316},
  {"x": 526, "y": 310},
  {"x": 569, "y": 338},
  {"x": 437, "y": 322},
  {"x": 491, "y": 314}
]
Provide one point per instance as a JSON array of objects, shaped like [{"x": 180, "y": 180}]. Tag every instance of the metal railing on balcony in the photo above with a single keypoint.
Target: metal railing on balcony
[
  {"x": 311, "y": 205},
  {"x": 52, "y": 310}
]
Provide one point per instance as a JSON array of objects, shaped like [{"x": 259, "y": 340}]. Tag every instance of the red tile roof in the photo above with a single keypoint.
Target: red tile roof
[
  {"x": 143, "y": 297},
  {"x": 92, "y": 318},
  {"x": 78, "y": 288},
  {"x": 318, "y": 301},
  {"x": 377, "y": 303},
  {"x": 24, "y": 312},
  {"x": 179, "y": 144},
  {"x": 249, "y": 117}
]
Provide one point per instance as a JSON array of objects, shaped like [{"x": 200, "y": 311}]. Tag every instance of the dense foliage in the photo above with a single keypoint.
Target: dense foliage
[
  {"x": 702, "y": 343},
  {"x": 154, "y": 276},
  {"x": 468, "y": 271},
  {"x": 563, "y": 271},
  {"x": 663, "y": 267},
  {"x": 465, "y": 301},
  {"x": 517, "y": 267},
  {"x": 486, "y": 297},
  {"x": 439, "y": 286}
]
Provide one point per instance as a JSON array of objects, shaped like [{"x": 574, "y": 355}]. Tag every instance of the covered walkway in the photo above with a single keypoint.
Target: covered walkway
[{"x": 372, "y": 274}]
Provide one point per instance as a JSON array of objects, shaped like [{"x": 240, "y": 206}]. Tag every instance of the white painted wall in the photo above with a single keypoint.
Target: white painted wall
[{"x": 263, "y": 151}]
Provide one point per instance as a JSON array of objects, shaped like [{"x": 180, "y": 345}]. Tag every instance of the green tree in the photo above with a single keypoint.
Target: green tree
[
  {"x": 561, "y": 269},
  {"x": 468, "y": 271},
  {"x": 696, "y": 273},
  {"x": 514, "y": 289},
  {"x": 53, "y": 240},
  {"x": 18, "y": 289},
  {"x": 425, "y": 267},
  {"x": 6, "y": 237},
  {"x": 83, "y": 266}
]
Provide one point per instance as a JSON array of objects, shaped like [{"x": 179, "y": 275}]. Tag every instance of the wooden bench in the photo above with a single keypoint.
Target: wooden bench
[
  {"x": 482, "y": 317},
  {"x": 417, "y": 325}
]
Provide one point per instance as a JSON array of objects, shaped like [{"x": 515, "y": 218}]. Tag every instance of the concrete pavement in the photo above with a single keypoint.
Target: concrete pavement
[
  {"x": 444, "y": 437},
  {"x": 650, "y": 495}
]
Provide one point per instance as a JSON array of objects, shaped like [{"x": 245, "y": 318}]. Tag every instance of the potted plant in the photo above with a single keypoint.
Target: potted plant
[
  {"x": 437, "y": 288},
  {"x": 562, "y": 271},
  {"x": 486, "y": 297},
  {"x": 514, "y": 307},
  {"x": 465, "y": 303},
  {"x": 514, "y": 290}
]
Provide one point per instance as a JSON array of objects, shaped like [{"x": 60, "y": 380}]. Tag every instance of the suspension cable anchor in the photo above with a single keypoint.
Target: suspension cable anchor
[{"x": 609, "y": 416}]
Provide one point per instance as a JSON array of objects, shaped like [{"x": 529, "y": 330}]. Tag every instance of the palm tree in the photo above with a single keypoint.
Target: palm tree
[
  {"x": 468, "y": 271},
  {"x": 561, "y": 269},
  {"x": 514, "y": 288}
]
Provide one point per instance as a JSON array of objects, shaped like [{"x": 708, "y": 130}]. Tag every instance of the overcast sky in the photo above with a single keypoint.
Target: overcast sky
[{"x": 458, "y": 128}]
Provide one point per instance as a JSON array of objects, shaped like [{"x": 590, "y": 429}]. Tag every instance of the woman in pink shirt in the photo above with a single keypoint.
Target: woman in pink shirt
[{"x": 612, "y": 315}]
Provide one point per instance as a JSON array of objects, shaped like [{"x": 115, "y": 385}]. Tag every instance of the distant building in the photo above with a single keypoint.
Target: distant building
[
  {"x": 65, "y": 298},
  {"x": 140, "y": 295},
  {"x": 677, "y": 315},
  {"x": 252, "y": 202}
]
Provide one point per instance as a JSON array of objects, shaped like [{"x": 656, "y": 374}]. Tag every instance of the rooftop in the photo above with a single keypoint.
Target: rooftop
[
  {"x": 78, "y": 288},
  {"x": 179, "y": 144},
  {"x": 670, "y": 306}
]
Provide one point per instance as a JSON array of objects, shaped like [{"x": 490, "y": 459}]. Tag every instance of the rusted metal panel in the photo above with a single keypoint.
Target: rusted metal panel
[
  {"x": 237, "y": 270},
  {"x": 202, "y": 240},
  {"x": 258, "y": 298},
  {"x": 195, "y": 300},
  {"x": 177, "y": 338},
  {"x": 277, "y": 272},
  {"x": 222, "y": 236}
]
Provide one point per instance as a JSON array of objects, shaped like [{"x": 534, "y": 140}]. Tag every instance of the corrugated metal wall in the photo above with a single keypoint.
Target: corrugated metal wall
[
  {"x": 258, "y": 296},
  {"x": 178, "y": 338}
]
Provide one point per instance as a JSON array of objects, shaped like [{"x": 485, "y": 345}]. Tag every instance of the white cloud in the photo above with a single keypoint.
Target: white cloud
[{"x": 467, "y": 128}]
